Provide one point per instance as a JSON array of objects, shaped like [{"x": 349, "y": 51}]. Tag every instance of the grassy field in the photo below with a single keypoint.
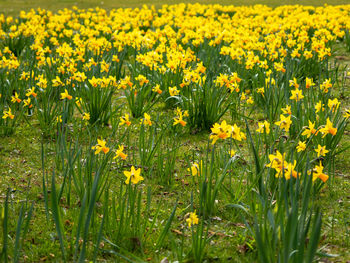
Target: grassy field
[
  {"x": 54, "y": 167},
  {"x": 13, "y": 7}
]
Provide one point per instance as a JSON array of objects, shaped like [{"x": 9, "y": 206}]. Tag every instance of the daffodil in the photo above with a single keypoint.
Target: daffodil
[
  {"x": 321, "y": 150},
  {"x": 220, "y": 131},
  {"x": 100, "y": 146},
  {"x": 261, "y": 91},
  {"x": 142, "y": 79},
  {"x": 287, "y": 110},
  {"x": 78, "y": 102},
  {"x": 146, "y": 120},
  {"x": 310, "y": 130},
  {"x": 276, "y": 160},
  {"x": 328, "y": 129},
  {"x": 192, "y": 219},
  {"x": 173, "y": 91},
  {"x": 333, "y": 105},
  {"x": 24, "y": 75},
  {"x": 8, "y": 114},
  {"x": 195, "y": 169},
  {"x": 318, "y": 173},
  {"x": 115, "y": 58},
  {"x": 65, "y": 95},
  {"x": 319, "y": 107},
  {"x": 119, "y": 153},
  {"x": 264, "y": 127},
  {"x": 301, "y": 146},
  {"x": 179, "y": 120},
  {"x": 15, "y": 98},
  {"x": 157, "y": 89},
  {"x": 347, "y": 114},
  {"x": 289, "y": 171},
  {"x": 232, "y": 153},
  {"x": 279, "y": 67},
  {"x": 125, "y": 120},
  {"x": 31, "y": 92},
  {"x": 297, "y": 95},
  {"x": 59, "y": 119},
  {"x": 309, "y": 83},
  {"x": 294, "y": 83},
  {"x": 56, "y": 82},
  {"x": 250, "y": 100},
  {"x": 94, "y": 82},
  {"x": 133, "y": 176},
  {"x": 326, "y": 85},
  {"x": 236, "y": 133},
  {"x": 284, "y": 122},
  {"x": 27, "y": 103},
  {"x": 282, "y": 168}
]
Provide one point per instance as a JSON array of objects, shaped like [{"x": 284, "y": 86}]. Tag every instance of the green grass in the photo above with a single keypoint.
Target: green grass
[{"x": 21, "y": 171}]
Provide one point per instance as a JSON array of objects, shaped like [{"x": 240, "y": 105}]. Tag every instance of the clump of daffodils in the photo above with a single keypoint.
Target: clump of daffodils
[{"x": 223, "y": 131}]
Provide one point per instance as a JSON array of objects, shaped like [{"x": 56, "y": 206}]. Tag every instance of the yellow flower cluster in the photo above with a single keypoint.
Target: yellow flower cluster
[
  {"x": 282, "y": 168},
  {"x": 224, "y": 131},
  {"x": 74, "y": 50},
  {"x": 255, "y": 37}
]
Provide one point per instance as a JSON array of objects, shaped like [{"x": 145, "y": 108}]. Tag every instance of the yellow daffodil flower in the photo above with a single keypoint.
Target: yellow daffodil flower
[
  {"x": 192, "y": 219},
  {"x": 65, "y": 95},
  {"x": 321, "y": 150},
  {"x": 100, "y": 146},
  {"x": 119, "y": 153},
  {"x": 8, "y": 114},
  {"x": 133, "y": 176}
]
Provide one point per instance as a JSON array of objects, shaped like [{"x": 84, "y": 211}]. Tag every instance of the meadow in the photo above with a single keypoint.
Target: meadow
[{"x": 174, "y": 133}]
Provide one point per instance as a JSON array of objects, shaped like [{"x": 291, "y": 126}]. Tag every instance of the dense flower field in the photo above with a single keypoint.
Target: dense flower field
[{"x": 172, "y": 132}]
